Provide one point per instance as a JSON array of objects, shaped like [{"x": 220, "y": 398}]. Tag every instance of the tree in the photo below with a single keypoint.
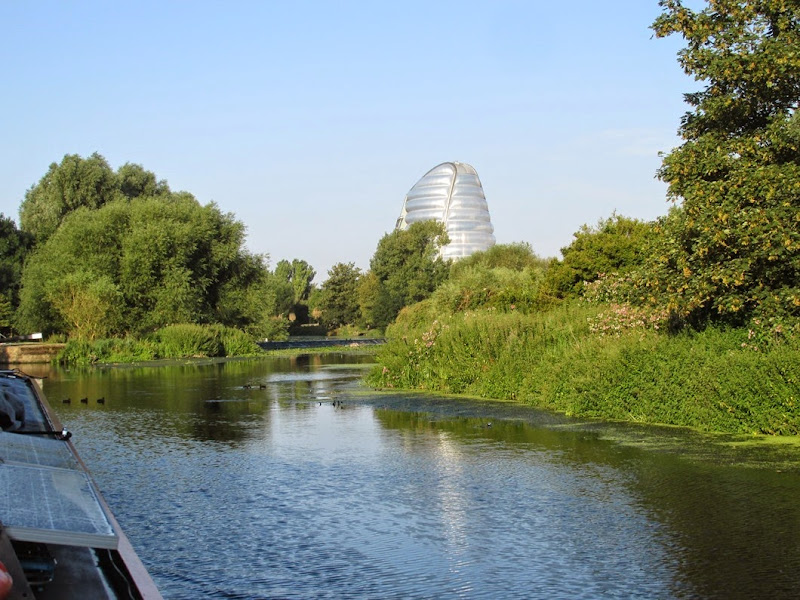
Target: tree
[
  {"x": 299, "y": 274},
  {"x": 615, "y": 245},
  {"x": 14, "y": 247},
  {"x": 368, "y": 292},
  {"x": 339, "y": 301},
  {"x": 408, "y": 268},
  {"x": 730, "y": 250},
  {"x": 171, "y": 260},
  {"x": 91, "y": 306},
  {"x": 6, "y": 315},
  {"x": 73, "y": 183},
  {"x": 133, "y": 181}
]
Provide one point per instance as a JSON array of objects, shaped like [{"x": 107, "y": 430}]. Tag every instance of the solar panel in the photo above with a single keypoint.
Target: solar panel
[
  {"x": 55, "y": 506},
  {"x": 46, "y": 495},
  {"x": 34, "y": 450}
]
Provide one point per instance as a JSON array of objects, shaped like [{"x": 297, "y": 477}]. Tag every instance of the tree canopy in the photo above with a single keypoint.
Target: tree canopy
[
  {"x": 67, "y": 186},
  {"x": 299, "y": 275},
  {"x": 406, "y": 268},
  {"x": 140, "y": 265},
  {"x": 339, "y": 298},
  {"x": 14, "y": 247},
  {"x": 730, "y": 250},
  {"x": 615, "y": 245},
  {"x": 78, "y": 182}
]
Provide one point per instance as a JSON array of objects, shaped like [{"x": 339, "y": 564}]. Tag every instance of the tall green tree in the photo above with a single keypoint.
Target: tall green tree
[
  {"x": 166, "y": 259},
  {"x": 78, "y": 182},
  {"x": 299, "y": 274},
  {"x": 14, "y": 247},
  {"x": 731, "y": 249},
  {"x": 339, "y": 299},
  {"x": 75, "y": 182},
  {"x": 408, "y": 268}
]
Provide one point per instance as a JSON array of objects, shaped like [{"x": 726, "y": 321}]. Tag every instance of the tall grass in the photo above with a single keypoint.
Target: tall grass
[
  {"x": 174, "y": 341},
  {"x": 189, "y": 340},
  {"x": 709, "y": 380}
]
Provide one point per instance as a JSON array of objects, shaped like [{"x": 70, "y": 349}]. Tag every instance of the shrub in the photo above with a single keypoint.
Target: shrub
[
  {"x": 189, "y": 340},
  {"x": 236, "y": 342},
  {"x": 713, "y": 380},
  {"x": 115, "y": 350}
]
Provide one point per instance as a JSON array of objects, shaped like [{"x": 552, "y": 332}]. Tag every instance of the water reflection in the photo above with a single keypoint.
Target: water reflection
[{"x": 284, "y": 478}]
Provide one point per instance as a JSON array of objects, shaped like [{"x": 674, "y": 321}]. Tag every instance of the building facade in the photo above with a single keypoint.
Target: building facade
[{"x": 452, "y": 194}]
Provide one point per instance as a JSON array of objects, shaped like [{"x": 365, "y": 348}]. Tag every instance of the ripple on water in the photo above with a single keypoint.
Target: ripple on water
[{"x": 287, "y": 498}]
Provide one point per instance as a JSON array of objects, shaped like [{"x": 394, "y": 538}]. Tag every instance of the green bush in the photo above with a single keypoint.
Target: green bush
[
  {"x": 714, "y": 380},
  {"x": 113, "y": 350},
  {"x": 77, "y": 352},
  {"x": 272, "y": 329},
  {"x": 189, "y": 340},
  {"x": 236, "y": 342}
]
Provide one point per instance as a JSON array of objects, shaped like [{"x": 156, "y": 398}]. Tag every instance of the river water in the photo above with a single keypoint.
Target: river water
[{"x": 286, "y": 478}]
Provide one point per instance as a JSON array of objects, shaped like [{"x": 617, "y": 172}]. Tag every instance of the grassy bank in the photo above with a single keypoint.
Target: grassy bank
[
  {"x": 714, "y": 380},
  {"x": 174, "y": 341}
]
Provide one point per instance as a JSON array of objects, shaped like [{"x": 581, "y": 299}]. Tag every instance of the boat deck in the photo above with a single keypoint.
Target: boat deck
[{"x": 56, "y": 527}]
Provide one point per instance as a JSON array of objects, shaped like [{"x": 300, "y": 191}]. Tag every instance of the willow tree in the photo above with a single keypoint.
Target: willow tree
[
  {"x": 730, "y": 250},
  {"x": 135, "y": 266},
  {"x": 73, "y": 183}
]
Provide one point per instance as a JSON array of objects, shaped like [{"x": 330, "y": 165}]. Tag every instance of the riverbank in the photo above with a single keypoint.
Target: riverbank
[
  {"x": 28, "y": 353},
  {"x": 717, "y": 380}
]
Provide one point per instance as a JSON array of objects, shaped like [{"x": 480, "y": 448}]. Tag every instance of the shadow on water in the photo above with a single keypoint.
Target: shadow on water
[{"x": 337, "y": 491}]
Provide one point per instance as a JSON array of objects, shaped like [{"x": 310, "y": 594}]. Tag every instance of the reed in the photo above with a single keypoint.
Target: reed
[
  {"x": 712, "y": 380},
  {"x": 174, "y": 341}
]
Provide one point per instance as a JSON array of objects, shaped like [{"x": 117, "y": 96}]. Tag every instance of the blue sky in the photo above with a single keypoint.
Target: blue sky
[{"x": 309, "y": 121}]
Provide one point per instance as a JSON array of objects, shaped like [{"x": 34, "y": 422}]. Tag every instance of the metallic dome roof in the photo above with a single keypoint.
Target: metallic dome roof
[{"x": 452, "y": 194}]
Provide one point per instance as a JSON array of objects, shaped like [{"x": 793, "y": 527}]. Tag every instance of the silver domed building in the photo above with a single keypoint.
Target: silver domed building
[{"x": 452, "y": 194}]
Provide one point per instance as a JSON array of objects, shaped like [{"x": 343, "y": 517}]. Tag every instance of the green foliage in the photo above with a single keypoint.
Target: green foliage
[
  {"x": 731, "y": 251},
  {"x": 175, "y": 341},
  {"x": 133, "y": 181},
  {"x": 339, "y": 298},
  {"x": 89, "y": 305},
  {"x": 407, "y": 268},
  {"x": 74, "y": 183},
  {"x": 615, "y": 245},
  {"x": 189, "y": 340},
  {"x": 368, "y": 292},
  {"x": 6, "y": 315},
  {"x": 299, "y": 274},
  {"x": 170, "y": 259},
  {"x": 414, "y": 317},
  {"x": 83, "y": 352},
  {"x": 274, "y": 329},
  {"x": 14, "y": 248},
  {"x": 711, "y": 380},
  {"x": 236, "y": 342},
  {"x": 479, "y": 286},
  {"x": 517, "y": 256}
]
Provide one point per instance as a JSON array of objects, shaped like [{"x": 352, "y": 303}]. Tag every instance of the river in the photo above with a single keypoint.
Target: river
[{"x": 286, "y": 478}]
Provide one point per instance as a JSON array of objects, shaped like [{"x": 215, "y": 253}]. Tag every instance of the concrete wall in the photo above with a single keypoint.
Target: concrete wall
[{"x": 11, "y": 354}]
